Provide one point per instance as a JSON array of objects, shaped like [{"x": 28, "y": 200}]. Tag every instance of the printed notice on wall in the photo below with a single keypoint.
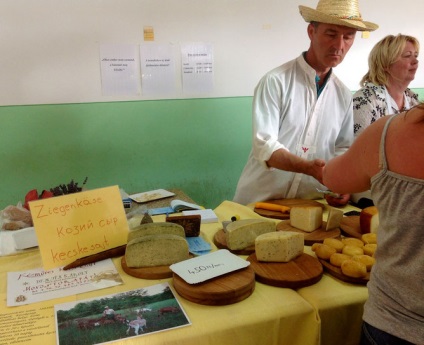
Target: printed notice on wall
[
  {"x": 197, "y": 68},
  {"x": 120, "y": 69},
  {"x": 157, "y": 69}
]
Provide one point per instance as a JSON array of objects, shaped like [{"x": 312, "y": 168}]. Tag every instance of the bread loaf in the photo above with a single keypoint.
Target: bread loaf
[
  {"x": 242, "y": 233},
  {"x": 156, "y": 228},
  {"x": 279, "y": 246},
  {"x": 334, "y": 218},
  {"x": 156, "y": 250},
  {"x": 369, "y": 220},
  {"x": 306, "y": 218}
]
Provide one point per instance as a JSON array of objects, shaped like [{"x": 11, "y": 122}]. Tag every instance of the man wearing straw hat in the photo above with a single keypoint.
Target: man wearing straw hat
[{"x": 302, "y": 113}]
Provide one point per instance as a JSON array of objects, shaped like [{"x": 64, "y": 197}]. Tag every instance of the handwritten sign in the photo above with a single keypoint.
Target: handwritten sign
[
  {"x": 72, "y": 226},
  {"x": 208, "y": 266}
]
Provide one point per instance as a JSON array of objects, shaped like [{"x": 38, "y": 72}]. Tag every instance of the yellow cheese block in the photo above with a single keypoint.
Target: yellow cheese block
[
  {"x": 334, "y": 218},
  {"x": 279, "y": 246},
  {"x": 242, "y": 233},
  {"x": 306, "y": 218},
  {"x": 156, "y": 250},
  {"x": 155, "y": 229}
]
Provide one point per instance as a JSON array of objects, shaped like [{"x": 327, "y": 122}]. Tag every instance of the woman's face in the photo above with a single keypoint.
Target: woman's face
[{"x": 404, "y": 68}]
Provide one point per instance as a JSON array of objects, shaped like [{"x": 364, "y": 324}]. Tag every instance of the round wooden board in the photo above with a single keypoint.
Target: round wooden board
[
  {"x": 337, "y": 272},
  {"x": 303, "y": 271},
  {"x": 316, "y": 236},
  {"x": 157, "y": 272},
  {"x": 350, "y": 226},
  {"x": 220, "y": 241},
  {"x": 285, "y": 202},
  {"x": 226, "y": 289}
]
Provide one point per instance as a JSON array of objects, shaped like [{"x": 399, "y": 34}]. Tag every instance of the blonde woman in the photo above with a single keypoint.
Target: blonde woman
[
  {"x": 387, "y": 158},
  {"x": 392, "y": 64}
]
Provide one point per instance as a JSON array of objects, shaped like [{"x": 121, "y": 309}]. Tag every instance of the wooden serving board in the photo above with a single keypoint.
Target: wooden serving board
[
  {"x": 350, "y": 226},
  {"x": 337, "y": 272},
  {"x": 316, "y": 236},
  {"x": 226, "y": 289},
  {"x": 220, "y": 241},
  {"x": 303, "y": 271},
  {"x": 285, "y": 202},
  {"x": 157, "y": 272}
]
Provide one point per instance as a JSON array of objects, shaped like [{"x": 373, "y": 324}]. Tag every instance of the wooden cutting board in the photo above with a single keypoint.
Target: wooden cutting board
[
  {"x": 220, "y": 241},
  {"x": 157, "y": 272},
  {"x": 285, "y": 202},
  {"x": 226, "y": 289},
  {"x": 316, "y": 236},
  {"x": 303, "y": 271},
  {"x": 337, "y": 272},
  {"x": 350, "y": 226}
]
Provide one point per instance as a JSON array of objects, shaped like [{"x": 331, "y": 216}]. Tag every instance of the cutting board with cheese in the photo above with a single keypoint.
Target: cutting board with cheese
[
  {"x": 284, "y": 202},
  {"x": 226, "y": 289},
  {"x": 305, "y": 270},
  {"x": 350, "y": 226},
  {"x": 316, "y": 236},
  {"x": 337, "y": 272},
  {"x": 156, "y": 272}
]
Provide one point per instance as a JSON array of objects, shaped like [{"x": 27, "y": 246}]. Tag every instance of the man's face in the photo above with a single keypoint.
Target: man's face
[{"x": 330, "y": 43}]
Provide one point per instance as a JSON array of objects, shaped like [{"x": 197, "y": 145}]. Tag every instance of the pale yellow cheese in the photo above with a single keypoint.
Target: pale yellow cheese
[
  {"x": 306, "y": 218},
  {"x": 279, "y": 246},
  {"x": 156, "y": 250},
  {"x": 334, "y": 218},
  {"x": 156, "y": 228},
  {"x": 242, "y": 233}
]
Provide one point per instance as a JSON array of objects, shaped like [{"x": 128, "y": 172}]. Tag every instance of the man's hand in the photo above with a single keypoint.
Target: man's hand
[{"x": 315, "y": 169}]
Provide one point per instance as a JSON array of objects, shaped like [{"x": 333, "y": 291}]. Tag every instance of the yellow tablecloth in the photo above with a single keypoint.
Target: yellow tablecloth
[{"x": 328, "y": 312}]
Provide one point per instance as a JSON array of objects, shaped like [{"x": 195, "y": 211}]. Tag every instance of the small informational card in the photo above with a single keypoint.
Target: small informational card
[
  {"x": 208, "y": 266},
  {"x": 37, "y": 285},
  {"x": 151, "y": 195},
  {"x": 119, "y": 316},
  {"x": 198, "y": 246},
  {"x": 76, "y": 225}
]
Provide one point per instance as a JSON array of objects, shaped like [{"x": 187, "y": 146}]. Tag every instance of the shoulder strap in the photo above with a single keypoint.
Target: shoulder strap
[{"x": 383, "y": 160}]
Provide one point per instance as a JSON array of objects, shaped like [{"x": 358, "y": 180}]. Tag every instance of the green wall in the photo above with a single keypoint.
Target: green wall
[{"x": 197, "y": 145}]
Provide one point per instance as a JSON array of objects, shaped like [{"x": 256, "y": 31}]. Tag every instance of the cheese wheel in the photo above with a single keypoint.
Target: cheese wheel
[
  {"x": 335, "y": 243},
  {"x": 336, "y": 259},
  {"x": 155, "y": 229},
  {"x": 242, "y": 233},
  {"x": 156, "y": 250},
  {"x": 352, "y": 250},
  {"x": 352, "y": 241},
  {"x": 279, "y": 246},
  {"x": 354, "y": 269},
  {"x": 334, "y": 218},
  {"x": 367, "y": 260},
  {"x": 369, "y": 220},
  {"x": 306, "y": 218}
]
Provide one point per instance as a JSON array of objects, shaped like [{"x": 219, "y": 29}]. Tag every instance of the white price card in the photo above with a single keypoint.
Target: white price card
[{"x": 208, "y": 266}]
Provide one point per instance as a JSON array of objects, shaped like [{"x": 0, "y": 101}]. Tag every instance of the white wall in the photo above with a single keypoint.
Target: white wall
[{"x": 50, "y": 48}]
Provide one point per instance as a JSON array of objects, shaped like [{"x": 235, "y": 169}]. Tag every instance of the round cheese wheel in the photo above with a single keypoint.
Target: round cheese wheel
[{"x": 368, "y": 220}]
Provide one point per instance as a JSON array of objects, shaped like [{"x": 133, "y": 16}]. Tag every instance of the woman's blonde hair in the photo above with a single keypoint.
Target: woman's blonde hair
[{"x": 386, "y": 52}]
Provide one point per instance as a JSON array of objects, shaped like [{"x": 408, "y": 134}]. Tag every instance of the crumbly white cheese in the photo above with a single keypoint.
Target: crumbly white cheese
[
  {"x": 156, "y": 228},
  {"x": 306, "y": 218},
  {"x": 279, "y": 246},
  {"x": 334, "y": 218},
  {"x": 156, "y": 250},
  {"x": 242, "y": 233}
]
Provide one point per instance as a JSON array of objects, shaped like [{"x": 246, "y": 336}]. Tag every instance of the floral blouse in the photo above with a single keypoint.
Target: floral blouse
[{"x": 369, "y": 104}]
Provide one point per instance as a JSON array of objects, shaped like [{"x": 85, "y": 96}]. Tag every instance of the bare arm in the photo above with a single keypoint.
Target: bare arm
[{"x": 284, "y": 160}]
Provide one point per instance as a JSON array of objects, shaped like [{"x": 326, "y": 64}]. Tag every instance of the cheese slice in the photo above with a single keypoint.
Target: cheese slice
[
  {"x": 155, "y": 229},
  {"x": 279, "y": 246},
  {"x": 334, "y": 218},
  {"x": 306, "y": 218},
  {"x": 242, "y": 233},
  {"x": 156, "y": 250}
]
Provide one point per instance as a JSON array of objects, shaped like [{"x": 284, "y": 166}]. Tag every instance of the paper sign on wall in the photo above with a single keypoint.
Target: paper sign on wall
[{"x": 72, "y": 226}]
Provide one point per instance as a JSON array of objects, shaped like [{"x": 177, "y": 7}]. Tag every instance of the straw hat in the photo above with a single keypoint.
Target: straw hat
[{"x": 338, "y": 12}]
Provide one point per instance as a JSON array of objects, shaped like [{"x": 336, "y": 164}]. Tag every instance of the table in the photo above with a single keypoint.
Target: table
[{"x": 328, "y": 312}]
